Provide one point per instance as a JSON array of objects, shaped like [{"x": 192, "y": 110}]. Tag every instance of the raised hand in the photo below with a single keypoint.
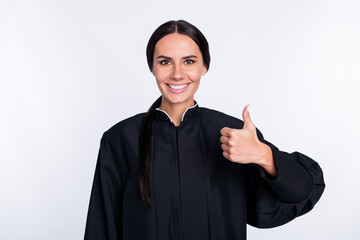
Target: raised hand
[{"x": 243, "y": 146}]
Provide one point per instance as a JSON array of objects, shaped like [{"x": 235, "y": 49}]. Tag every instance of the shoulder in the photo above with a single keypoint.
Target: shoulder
[
  {"x": 128, "y": 126},
  {"x": 216, "y": 118}
]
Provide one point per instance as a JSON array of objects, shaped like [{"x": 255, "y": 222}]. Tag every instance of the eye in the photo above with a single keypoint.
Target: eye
[
  {"x": 164, "y": 62},
  {"x": 189, "y": 61}
]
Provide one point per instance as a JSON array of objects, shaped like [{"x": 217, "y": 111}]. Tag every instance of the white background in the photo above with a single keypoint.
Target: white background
[{"x": 69, "y": 70}]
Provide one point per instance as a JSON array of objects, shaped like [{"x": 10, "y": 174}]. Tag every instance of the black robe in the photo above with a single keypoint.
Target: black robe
[{"x": 196, "y": 193}]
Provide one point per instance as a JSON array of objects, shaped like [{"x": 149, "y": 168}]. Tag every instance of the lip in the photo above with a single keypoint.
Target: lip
[{"x": 177, "y": 91}]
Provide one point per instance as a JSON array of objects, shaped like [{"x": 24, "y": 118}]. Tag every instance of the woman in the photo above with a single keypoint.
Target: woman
[{"x": 180, "y": 171}]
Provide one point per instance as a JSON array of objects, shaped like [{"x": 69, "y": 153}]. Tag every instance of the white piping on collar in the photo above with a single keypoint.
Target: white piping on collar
[
  {"x": 182, "y": 118},
  {"x": 165, "y": 113}
]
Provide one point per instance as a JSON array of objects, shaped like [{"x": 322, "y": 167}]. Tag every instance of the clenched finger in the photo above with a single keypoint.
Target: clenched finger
[
  {"x": 226, "y": 155},
  {"x": 225, "y": 147},
  {"x": 224, "y": 139},
  {"x": 225, "y": 131}
]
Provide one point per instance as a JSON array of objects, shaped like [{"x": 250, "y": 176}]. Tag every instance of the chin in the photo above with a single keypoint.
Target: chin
[{"x": 177, "y": 99}]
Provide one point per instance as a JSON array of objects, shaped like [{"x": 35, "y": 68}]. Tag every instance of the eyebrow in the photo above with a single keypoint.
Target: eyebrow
[{"x": 186, "y": 57}]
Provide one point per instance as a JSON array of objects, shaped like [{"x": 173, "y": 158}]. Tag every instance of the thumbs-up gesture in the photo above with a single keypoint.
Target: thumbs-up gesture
[{"x": 243, "y": 146}]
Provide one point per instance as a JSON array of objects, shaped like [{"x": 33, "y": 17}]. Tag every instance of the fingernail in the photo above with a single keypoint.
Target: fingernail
[{"x": 248, "y": 108}]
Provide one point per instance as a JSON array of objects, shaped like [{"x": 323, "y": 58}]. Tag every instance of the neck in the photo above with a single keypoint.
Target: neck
[{"x": 176, "y": 110}]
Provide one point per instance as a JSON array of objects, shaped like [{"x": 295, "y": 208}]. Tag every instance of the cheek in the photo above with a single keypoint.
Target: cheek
[
  {"x": 194, "y": 74},
  {"x": 161, "y": 75}
]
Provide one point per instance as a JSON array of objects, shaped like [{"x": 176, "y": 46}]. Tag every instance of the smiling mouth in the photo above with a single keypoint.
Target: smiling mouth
[{"x": 178, "y": 87}]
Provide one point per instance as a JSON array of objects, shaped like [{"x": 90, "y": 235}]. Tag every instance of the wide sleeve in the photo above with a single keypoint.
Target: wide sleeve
[
  {"x": 294, "y": 192},
  {"x": 104, "y": 214}
]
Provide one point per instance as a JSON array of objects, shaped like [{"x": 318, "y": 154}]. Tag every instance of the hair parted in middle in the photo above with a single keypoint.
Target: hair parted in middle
[{"x": 182, "y": 27}]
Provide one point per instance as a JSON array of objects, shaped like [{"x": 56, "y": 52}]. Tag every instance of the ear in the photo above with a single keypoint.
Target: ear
[{"x": 204, "y": 70}]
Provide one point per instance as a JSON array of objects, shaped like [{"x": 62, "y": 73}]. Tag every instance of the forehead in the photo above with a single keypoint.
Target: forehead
[{"x": 176, "y": 44}]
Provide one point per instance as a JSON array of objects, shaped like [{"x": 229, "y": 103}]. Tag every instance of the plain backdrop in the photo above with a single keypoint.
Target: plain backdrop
[{"x": 69, "y": 70}]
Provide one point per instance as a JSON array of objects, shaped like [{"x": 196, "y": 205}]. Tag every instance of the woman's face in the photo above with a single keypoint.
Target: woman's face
[{"x": 178, "y": 67}]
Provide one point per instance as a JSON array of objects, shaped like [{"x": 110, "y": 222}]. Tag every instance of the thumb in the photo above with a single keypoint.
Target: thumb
[{"x": 246, "y": 116}]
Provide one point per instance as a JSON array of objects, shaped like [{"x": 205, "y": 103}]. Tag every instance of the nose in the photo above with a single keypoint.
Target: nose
[{"x": 177, "y": 73}]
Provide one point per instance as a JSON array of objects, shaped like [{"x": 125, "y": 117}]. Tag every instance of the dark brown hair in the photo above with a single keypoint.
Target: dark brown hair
[{"x": 167, "y": 28}]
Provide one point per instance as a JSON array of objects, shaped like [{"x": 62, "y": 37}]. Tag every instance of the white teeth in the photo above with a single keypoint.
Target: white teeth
[{"x": 177, "y": 87}]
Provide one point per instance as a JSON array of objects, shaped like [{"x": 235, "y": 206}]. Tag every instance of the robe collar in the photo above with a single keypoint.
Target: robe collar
[{"x": 188, "y": 114}]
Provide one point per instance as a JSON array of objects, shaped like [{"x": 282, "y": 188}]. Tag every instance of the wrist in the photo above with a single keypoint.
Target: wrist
[{"x": 267, "y": 161}]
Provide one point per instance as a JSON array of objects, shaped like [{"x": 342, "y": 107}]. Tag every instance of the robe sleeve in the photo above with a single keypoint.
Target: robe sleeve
[
  {"x": 104, "y": 214},
  {"x": 294, "y": 192}
]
